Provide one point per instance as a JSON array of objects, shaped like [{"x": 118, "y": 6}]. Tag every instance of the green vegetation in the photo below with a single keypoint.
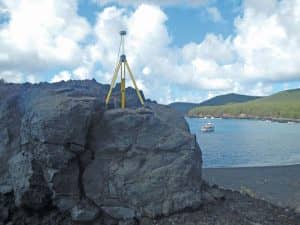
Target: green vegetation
[
  {"x": 228, "y": 98},
  {"x": 284, "y": 104},
  {"x": 184, "y": 107}
]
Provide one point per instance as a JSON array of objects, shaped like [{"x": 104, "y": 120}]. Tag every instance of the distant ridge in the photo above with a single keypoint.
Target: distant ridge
[
  {"x": 284, "y": 104},
  {"x": 228, "y": 98},
  {"x": 184, "y": 107}
]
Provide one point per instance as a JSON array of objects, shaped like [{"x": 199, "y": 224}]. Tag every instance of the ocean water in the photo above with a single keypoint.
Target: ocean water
[{"x": 245, "y": 143}]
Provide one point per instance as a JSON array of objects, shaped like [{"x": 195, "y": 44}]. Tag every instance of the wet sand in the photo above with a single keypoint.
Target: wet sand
[{"x": 277, "y": 184}]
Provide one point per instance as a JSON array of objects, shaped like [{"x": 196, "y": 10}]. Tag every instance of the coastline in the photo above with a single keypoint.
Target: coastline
[
  {"x": 279, "y": 185},
  {"x": 248, "y": 117}
]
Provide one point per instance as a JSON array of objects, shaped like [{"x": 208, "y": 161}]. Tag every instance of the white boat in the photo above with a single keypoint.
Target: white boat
[{"x": 209, "y": 127}]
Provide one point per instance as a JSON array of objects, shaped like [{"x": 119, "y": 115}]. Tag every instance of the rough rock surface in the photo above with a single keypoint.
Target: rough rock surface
[
  {"x": 148, "y": 167},
  {"x": 28, "y": 183},
  {"x": 59, "y": 147},
  {"x": 65, "y": 159},
  {"x": 84, "y": 211}
]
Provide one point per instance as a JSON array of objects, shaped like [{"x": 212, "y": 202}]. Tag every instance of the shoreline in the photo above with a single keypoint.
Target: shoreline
[
  {"x": 248, "y": 117},
  {"x": 254, "y": 166},
  {"x": 279, "y": 185}
]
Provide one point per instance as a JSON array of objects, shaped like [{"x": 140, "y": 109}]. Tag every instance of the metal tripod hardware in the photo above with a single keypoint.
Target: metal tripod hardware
[{"x": 122, "y": 66}]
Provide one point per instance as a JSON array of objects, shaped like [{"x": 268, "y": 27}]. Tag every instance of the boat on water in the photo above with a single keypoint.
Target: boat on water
[
  {"x": 291, "y": 122},
  {"x": 209, "y": 127}
]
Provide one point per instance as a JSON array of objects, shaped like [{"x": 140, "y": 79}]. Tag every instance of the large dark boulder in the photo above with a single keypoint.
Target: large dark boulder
[
  {"x": 142, "y": 164},
  {"x": 60, "y": 147}
]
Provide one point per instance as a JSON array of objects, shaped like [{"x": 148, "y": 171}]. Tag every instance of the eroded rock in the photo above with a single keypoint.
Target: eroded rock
[
  {"x": 60, "y": 146},
  {"x": 30, "y": 187},
  {"x": 121, "y": 213},
  {"x": 84, "y": 211},
  {"x": 147, "y": 164}
]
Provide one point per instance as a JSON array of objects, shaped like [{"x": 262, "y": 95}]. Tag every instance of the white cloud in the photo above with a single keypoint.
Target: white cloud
[
  {"x": 247, "y": 62},
  {"x": 193, "y": 66},
  {"x": 15, "y": 76},
  {"x": 11, "y": 76},
  {"x": 62, "y": 76},
  {"x": 260, "y": 89},
  {"x": 268, "y": 41},
  {"x": 3, "y": 12},
  {"x": 213, "y": 47},
  {"x": 264, "y": 49},
  {"x": 82, "y": 73},
  {"x": 33, "y": 78},
  {"x": 156, "y": 2},
  {"x": 40, "y": 35},
  {"x": 146, "y": 71},
  {"x": 215, "y": 14}
]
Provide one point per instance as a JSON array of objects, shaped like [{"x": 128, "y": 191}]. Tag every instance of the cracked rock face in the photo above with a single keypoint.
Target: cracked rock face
[
  {"x": 28, "y": 181},
  {"x": 60, "y": 147},
  {"x": 149, "y": 167}
]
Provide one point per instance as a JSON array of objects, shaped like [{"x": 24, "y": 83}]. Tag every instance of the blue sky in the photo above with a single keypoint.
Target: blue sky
[
  {"x": 192, "y": 24},
  {"x": 179, "y": 50},
  {"x": 185, "y": 23}
]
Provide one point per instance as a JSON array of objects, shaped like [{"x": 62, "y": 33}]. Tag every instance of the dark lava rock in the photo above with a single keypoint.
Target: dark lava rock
[
  {"x": 149, "y": 167},
  {"x": 65, "y": 159},
  {"x": 84, "y": 211},
  {"x": 27, "y": 179},
  {"x": 60, "y": 147}
]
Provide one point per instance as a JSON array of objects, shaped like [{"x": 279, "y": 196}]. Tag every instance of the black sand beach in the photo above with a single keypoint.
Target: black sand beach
[{"x": 277, "y": 184}]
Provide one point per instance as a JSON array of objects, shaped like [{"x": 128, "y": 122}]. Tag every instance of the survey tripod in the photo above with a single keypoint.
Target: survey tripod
[{"x": 122, "y": 66}]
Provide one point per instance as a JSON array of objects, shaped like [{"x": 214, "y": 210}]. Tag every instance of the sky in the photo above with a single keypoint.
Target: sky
[{"x": 178, "y": 50}]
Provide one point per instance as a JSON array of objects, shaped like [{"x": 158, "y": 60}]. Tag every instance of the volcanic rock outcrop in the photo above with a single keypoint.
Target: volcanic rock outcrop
[
  {"x": 60, "y": 147},
  {"x": 67, "y": 160}
]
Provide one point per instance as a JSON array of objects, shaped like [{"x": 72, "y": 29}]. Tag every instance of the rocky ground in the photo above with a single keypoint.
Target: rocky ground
[
  {"x": 66, "y": 159},
  {"x": 227, "y": 208},
  {"x": 235, "y": 209}
]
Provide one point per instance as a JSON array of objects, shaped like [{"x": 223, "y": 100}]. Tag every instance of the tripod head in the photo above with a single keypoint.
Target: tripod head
[
  {"x": 122, "y": 44},
  {"x": 123, "y": 32}
]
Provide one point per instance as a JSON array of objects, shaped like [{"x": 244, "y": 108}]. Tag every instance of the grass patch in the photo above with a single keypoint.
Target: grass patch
[{"x": 284, "y": 104}]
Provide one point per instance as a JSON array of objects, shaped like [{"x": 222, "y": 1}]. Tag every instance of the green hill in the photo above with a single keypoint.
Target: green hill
[
  {"x": 184, "y": 107},
  {"x": 285, "y": 104},
  {"x": 228, "y": 98}
]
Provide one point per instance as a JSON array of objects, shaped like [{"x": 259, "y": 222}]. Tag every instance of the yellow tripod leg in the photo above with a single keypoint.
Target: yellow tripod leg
[
  {"x": 113, "y": 83},
  {"x": 123, "y": 94},
  {"x": 134, "y": 83}
]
